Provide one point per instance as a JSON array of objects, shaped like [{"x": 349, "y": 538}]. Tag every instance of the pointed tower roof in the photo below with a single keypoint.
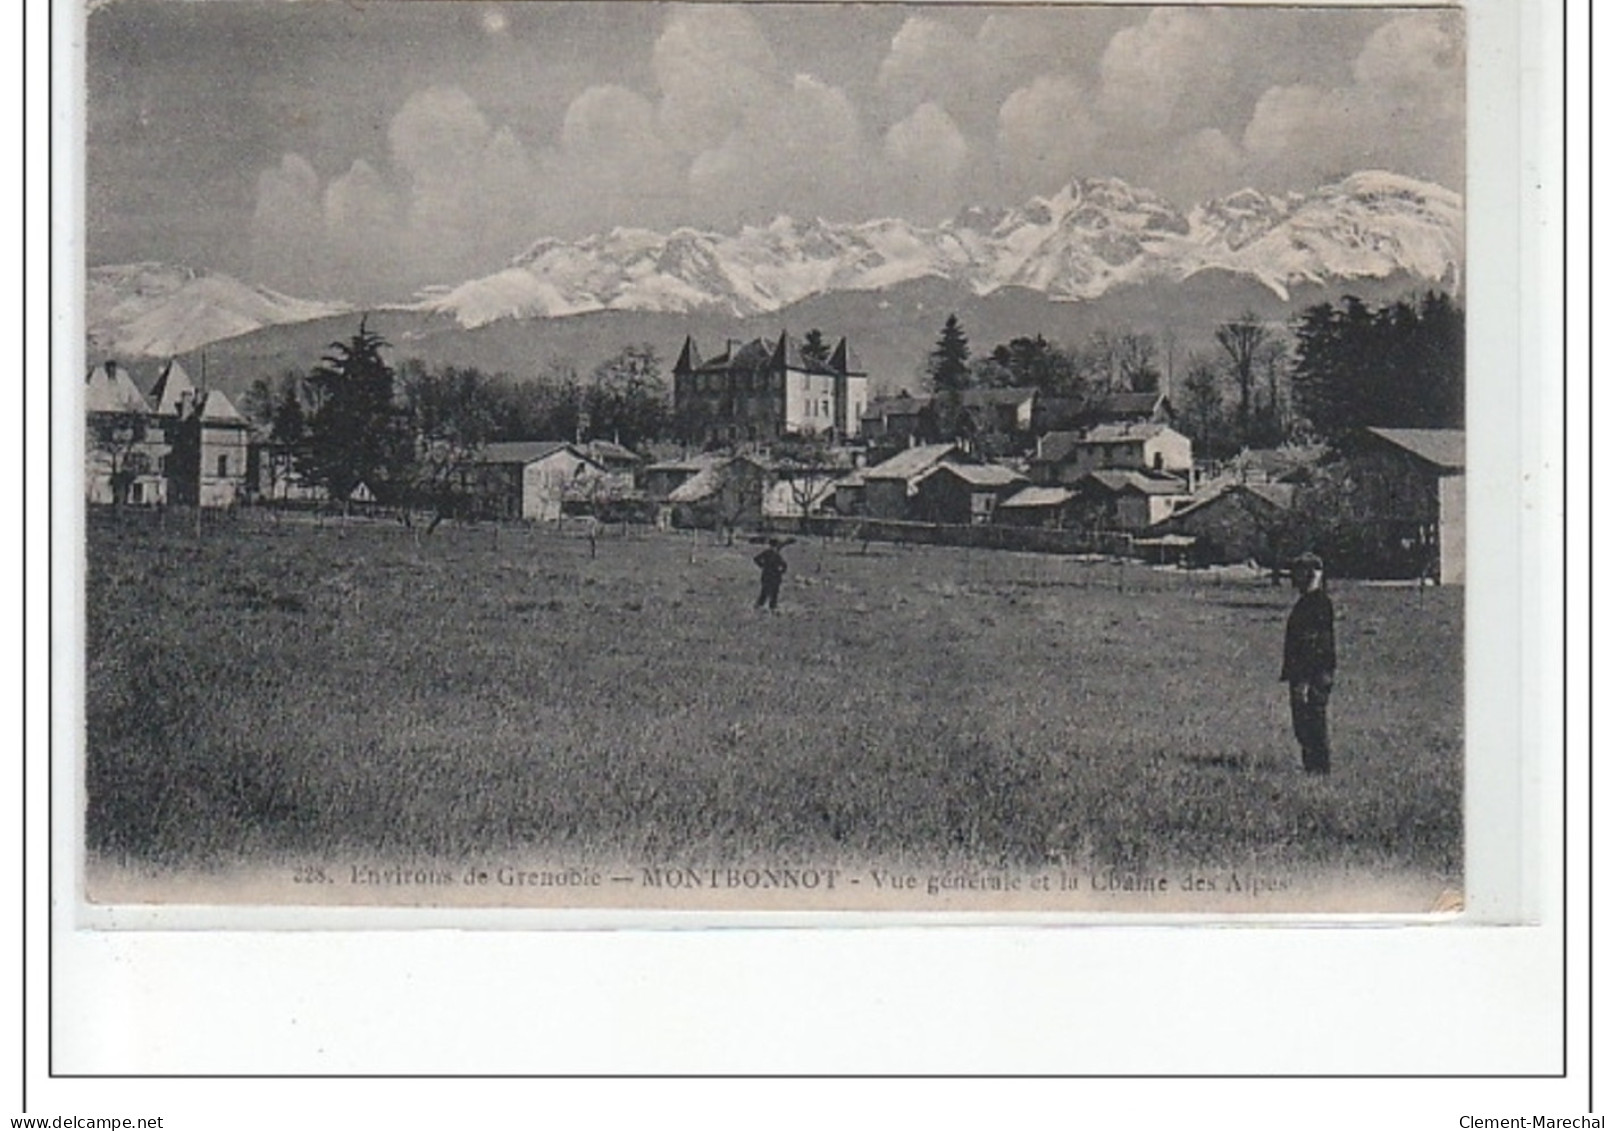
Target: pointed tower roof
[
  {"x": 173, "y": 391},
  {"x": 845, "y": 362},
  {"x": 109, "y": 388},
  {"x": 217, "y": 409},
  {"x": 689, "y": 358}
]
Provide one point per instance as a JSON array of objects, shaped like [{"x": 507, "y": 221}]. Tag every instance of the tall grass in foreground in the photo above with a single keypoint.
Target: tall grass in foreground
[{"x": 269, "y": 691}]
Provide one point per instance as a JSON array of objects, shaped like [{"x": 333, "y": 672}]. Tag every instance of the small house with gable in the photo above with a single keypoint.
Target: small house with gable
[
  {"x": 897, "y": 420},
  {"x": 887, "y": 489},
  {"x": 1240, "y": 522},
  {"x": 528, "y": 479},
  {"x": 1063, "y": 458},
  {"x": 726, "y": 494},
  {"x": 660, "y": 479},
  {"x": 963, "y": 493},
  {"x": 1126, "y": 500},
  {"x": 1050, "y": 508}
]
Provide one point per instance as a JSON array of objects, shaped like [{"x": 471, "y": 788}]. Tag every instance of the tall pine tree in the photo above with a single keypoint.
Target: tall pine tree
[
  {"x": 950, "y": 361},
  {"x": 356, "y": 432}
]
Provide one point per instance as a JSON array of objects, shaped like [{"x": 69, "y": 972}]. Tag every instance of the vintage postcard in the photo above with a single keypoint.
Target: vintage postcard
[{"x": 773, "y": 458}]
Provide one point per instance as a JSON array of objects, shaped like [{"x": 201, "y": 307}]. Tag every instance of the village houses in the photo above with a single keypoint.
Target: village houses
[{"x": 1397, "y": 494}]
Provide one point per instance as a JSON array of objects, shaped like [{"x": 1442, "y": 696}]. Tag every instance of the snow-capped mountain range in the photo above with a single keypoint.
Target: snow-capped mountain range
[
  {"x": 1091, "y": 236},
  {"x": 158, "y": 310}
]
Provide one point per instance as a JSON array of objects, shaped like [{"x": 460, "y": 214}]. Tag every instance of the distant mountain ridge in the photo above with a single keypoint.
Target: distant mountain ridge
[
  {"x": 1097, "y": 254},
  {"x": 159, "y": 310},
  {"x": 1091, "y": 236}
]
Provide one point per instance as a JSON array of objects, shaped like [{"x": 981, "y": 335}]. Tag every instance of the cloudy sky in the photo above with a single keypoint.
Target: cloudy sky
[{"x": 363, "y": 150}]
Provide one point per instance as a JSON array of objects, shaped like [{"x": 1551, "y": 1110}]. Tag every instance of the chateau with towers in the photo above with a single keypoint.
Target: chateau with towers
[
  {"x": 177, "y": 445},
  {"x": 768, "y": 390}
]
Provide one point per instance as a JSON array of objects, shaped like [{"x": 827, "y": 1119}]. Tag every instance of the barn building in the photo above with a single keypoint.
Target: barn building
[
  {"x": 529, "y": 479},
  {"x": 1126, "y": 500},
  {"x": 1051, "y": 508},
  {"x": 1241, "y": 522},
  {"x": 887, "y": 490},
  {"x": 963, "y": 493},
  {"x": 1408, "y": 486}
]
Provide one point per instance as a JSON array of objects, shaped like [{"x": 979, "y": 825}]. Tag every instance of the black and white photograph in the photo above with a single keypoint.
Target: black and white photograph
[{"x": 773, "y": 457}]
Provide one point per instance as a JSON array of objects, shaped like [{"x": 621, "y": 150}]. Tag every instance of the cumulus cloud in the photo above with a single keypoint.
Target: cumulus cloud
[
  {"x": 288, "y": 211},
  {"x": 1046, "y": 133},
  {"x": 1288, "y": 120},
  {"x": 795, "y": 147},
  {"x": 929, "y": 61},
  {"x": 1403, "y": 111},
  {"x": 361, "y": 218},
  {"x": 456, "y": 197},
  {"x": 711, "y": 65},
  {"x": 469, "y": 184},
  {"x": 1158, "y": 74},
  {"x": 1202, "y": 164},
  {"x": 1417, "y": 54},
  {"x": 925, "y": 154},
  {"x": 608, "y": 122},
  {"x": 1016, "y": 42},
  {"x": 611, "y": 160},
  {"x": 722, "y": 132}
]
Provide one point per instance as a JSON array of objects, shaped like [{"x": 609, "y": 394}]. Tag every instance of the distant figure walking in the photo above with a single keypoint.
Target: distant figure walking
[
  {"x": 1309, "y": 662},
  {"x": 772, "y": 563}
]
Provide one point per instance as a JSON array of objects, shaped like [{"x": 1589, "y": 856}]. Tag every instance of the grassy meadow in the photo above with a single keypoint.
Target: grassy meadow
[{"x": 282, "y": 690}]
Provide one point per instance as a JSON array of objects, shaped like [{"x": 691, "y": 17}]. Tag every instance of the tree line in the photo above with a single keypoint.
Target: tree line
[
  {"x": 407, "y": 433},
  {"x": 1335, "y": 367}
]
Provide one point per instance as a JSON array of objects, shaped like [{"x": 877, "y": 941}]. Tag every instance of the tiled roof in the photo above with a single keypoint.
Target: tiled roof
[
  {"x": 520, "y": 451},
  {"x": 895, "y": 406},
  {"x": 611, "y": 450},
  {"x": 1125, "y": 432},
  {"x": 1277, "y": 461},
  {"x": 702, "y": 485},
  {"x": 1055, "y": 447},
  {"x": 911, "y": 462},
  {"x": 1039, "y": 497},
  {"x": 1281, "y": 495},
  {"x": 1118, "y": 480},
  {"x": 978, "y": 474},
  {"x": 1441, "y": 447},
  {"x": 687, "y": 463},
  {"x": 1128, "y": 404},
  {"x": 1278, "y": 495}
]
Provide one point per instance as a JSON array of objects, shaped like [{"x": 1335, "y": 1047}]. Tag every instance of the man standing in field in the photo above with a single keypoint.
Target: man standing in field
[
  {"x": 1309, "y": 662},
  {"x": 772, "y": 563}
]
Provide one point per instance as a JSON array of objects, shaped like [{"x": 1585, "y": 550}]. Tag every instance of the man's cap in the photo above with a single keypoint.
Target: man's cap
[{"x": 1308, "y": 563}]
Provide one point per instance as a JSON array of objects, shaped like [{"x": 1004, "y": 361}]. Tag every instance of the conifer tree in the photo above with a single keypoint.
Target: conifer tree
[{"x": 950, "y": 361}]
